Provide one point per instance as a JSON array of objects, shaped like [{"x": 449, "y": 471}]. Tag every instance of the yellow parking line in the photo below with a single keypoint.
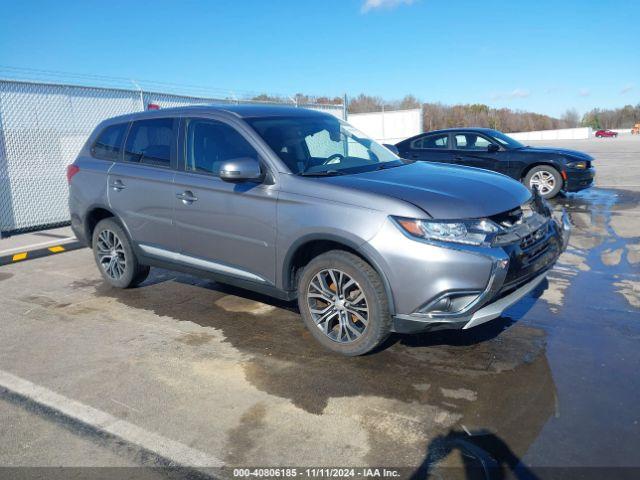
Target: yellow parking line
[
  {"x": 56, "y": 249},
  {"x": 19, "y": 256}
]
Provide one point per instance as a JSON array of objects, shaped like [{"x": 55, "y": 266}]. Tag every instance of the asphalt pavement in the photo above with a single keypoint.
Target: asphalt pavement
[{"x": 183, "y": 371}]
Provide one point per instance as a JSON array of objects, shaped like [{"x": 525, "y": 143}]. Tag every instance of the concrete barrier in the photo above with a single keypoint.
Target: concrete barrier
[{"x": 560, "y": 134}]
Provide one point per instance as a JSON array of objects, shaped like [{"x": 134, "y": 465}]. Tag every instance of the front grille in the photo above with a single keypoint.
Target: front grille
[{"x": 534, "y": 237}]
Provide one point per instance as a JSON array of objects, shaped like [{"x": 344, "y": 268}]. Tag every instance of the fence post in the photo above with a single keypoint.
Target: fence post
[
  {"x": 141, "y": 94},
  {"x": 345, "y": 107}
]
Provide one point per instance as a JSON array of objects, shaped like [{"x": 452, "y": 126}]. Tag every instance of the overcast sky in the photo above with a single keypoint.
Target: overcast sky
[{"x": 543, "y": 55}]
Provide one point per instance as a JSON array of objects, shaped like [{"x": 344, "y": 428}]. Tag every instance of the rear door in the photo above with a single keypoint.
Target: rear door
[
  {"x": 140, "y": 185},
  {"x": 472, "y": 149},
  {"x": 434, "y": 147},
  {"x": 227, "y": 228}
]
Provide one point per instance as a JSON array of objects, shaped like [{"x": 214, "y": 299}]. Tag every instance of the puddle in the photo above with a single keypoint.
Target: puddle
[{"x": 413, "y": 388}]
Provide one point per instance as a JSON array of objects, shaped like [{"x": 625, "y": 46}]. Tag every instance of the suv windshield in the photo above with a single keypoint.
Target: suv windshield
[
  {"x": 506, "y": 140},
  {"x": 316, "y": 145}
]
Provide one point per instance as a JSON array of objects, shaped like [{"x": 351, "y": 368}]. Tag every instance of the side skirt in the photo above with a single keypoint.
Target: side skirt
[{"x": 262, "y": 288}]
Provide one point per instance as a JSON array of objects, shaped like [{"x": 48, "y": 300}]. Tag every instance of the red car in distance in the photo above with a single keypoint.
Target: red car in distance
[{"x": 606, "y": 133}]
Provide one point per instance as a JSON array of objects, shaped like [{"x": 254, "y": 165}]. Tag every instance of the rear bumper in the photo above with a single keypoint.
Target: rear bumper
[
  {"x": 579, "y": 179},
  {"x": 506, "y": 286}
]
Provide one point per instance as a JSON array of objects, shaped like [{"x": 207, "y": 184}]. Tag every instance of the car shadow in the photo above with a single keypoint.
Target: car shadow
[{"x": 473, "y": 336}]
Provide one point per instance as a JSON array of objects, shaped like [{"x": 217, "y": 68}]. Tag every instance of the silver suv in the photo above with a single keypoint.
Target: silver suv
[{"x": 295, "y": 203}]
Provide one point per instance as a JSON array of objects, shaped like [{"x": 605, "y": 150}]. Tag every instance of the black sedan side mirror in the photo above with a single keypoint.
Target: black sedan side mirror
[
  {"x": 492, "y": 147},
  {"x": 241, "y": 170},
  {"x": 393, "y": 148}
]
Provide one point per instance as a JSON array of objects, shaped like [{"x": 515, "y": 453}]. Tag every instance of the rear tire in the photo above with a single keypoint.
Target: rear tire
[
  {"x": 115, "y": 257},
  {"x": 343, "y": 303},
  {"x": 546, "y": 178}
]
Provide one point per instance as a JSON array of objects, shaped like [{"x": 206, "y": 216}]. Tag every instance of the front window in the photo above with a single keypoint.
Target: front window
[
  {"x": 322, "y": 145},
  {"x": 505, "y": 140},
  {"x": 210, "y": 144},
  {"x": 471, "y": 141}
]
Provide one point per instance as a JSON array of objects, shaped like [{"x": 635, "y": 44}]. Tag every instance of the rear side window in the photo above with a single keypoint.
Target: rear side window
[
  {"x": 108, "y": 146},
  {"x": 431, "y": 141},
  {"x": 211, "y": 143},
  {"x": 150, "y": 142}
]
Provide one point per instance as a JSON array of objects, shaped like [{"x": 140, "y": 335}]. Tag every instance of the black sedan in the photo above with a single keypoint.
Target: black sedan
[{"x": 551, "y": 170}]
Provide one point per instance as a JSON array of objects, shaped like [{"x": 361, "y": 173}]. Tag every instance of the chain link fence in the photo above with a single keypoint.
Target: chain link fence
[{"x": 43, "y": 126}]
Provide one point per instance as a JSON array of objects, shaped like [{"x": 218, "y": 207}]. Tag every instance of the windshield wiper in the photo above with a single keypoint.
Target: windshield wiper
[
  {"x": 385, "y": 165},
  {"x": 324, "y": 173}
]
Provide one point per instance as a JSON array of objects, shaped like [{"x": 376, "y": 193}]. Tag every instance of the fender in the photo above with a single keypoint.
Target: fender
[{"x": 357, "y": 247}]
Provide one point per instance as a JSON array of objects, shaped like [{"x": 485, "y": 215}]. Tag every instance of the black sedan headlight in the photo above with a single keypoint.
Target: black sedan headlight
[{"x": 579, "y": 164}]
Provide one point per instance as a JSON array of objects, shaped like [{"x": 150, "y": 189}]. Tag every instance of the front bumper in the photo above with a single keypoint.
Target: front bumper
[
  {"x": 577, "y": 180},
  {"x": 522, "y": 269}
]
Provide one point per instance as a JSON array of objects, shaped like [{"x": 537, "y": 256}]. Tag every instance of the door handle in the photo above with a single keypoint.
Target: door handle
[
  {"x": 187, "y": 197},
  {"x": 117, "y": 185},
  {"x": 415, "y": 155}
]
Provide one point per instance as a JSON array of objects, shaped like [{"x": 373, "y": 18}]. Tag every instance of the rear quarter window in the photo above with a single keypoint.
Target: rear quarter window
[
  {"x": 431, "y": 141},
  {"x": 108, "y": 145}
]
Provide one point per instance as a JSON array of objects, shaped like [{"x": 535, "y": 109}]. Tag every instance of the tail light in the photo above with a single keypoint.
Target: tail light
[
  {"x": 71, "y": 171},
  {"x": 153, "y": 106}
]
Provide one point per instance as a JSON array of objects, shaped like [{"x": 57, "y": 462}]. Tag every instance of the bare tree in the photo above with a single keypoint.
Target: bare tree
[{"x": 571, "y": 118}]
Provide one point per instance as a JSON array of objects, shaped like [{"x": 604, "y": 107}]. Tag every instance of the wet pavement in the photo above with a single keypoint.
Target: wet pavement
[{"x": 554, "y": 382}]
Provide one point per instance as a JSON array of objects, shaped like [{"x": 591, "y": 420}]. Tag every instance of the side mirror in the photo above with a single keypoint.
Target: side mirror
[
  {"x": 393, "y": 148},
  {"x": 241, "y": 170},
  {"x": 492, "y": 147}
]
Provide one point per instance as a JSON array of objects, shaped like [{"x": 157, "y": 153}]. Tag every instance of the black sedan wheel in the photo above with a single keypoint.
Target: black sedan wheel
[{"x": 545, "y": 179}]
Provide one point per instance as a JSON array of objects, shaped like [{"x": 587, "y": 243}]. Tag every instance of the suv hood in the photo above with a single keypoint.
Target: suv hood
[
  {"x": 442, "y": 191},
  {"x": 557, "y": 151}
]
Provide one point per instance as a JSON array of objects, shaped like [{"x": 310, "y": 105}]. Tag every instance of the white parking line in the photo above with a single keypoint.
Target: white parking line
[{"x": 163, "y": 447}]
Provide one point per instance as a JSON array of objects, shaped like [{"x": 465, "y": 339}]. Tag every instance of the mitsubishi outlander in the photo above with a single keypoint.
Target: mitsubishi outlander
[{"x": 298, "y": 204}]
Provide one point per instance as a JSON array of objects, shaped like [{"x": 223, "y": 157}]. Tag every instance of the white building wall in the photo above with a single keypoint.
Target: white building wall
[{"x": 390, "y": 126}]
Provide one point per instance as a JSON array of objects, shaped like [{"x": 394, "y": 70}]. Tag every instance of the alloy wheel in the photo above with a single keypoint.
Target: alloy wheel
[
  {"x": 111, "y": 254},
  {"x": 544, "y": 181},
  {"x": 338, "y": 305}
]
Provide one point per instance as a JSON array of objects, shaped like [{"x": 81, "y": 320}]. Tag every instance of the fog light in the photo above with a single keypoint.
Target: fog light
[
  {"x": 451, "y": 303},
  {"x": 442, "y": 305}
]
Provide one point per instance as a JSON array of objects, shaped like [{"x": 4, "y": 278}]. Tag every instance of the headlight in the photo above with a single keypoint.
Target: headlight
[
  {"x": 581, "y": 164},
  {"x": 469, "y": 232}
]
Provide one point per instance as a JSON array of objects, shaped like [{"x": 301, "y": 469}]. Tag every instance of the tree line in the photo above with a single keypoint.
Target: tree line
[{"x": 438, "y": 115}]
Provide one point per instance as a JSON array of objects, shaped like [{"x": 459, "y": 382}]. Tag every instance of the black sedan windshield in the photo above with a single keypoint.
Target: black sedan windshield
[{"x": 318, "y": 145}]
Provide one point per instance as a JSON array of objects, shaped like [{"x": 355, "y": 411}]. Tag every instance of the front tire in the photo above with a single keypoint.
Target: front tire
[
  {"x": 115, "y": 257},
  {"x": 546, "y": 179},
  {"x": 343, "y": 303}
]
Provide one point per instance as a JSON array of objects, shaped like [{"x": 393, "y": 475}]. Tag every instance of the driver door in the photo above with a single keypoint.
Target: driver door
[{"x": 472, "y": 150}]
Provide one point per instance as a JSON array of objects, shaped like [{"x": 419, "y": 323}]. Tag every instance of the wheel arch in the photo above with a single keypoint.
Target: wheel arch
[
  {"x": 95, "y": 214},
  {"x": 310, "y": 246}
]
